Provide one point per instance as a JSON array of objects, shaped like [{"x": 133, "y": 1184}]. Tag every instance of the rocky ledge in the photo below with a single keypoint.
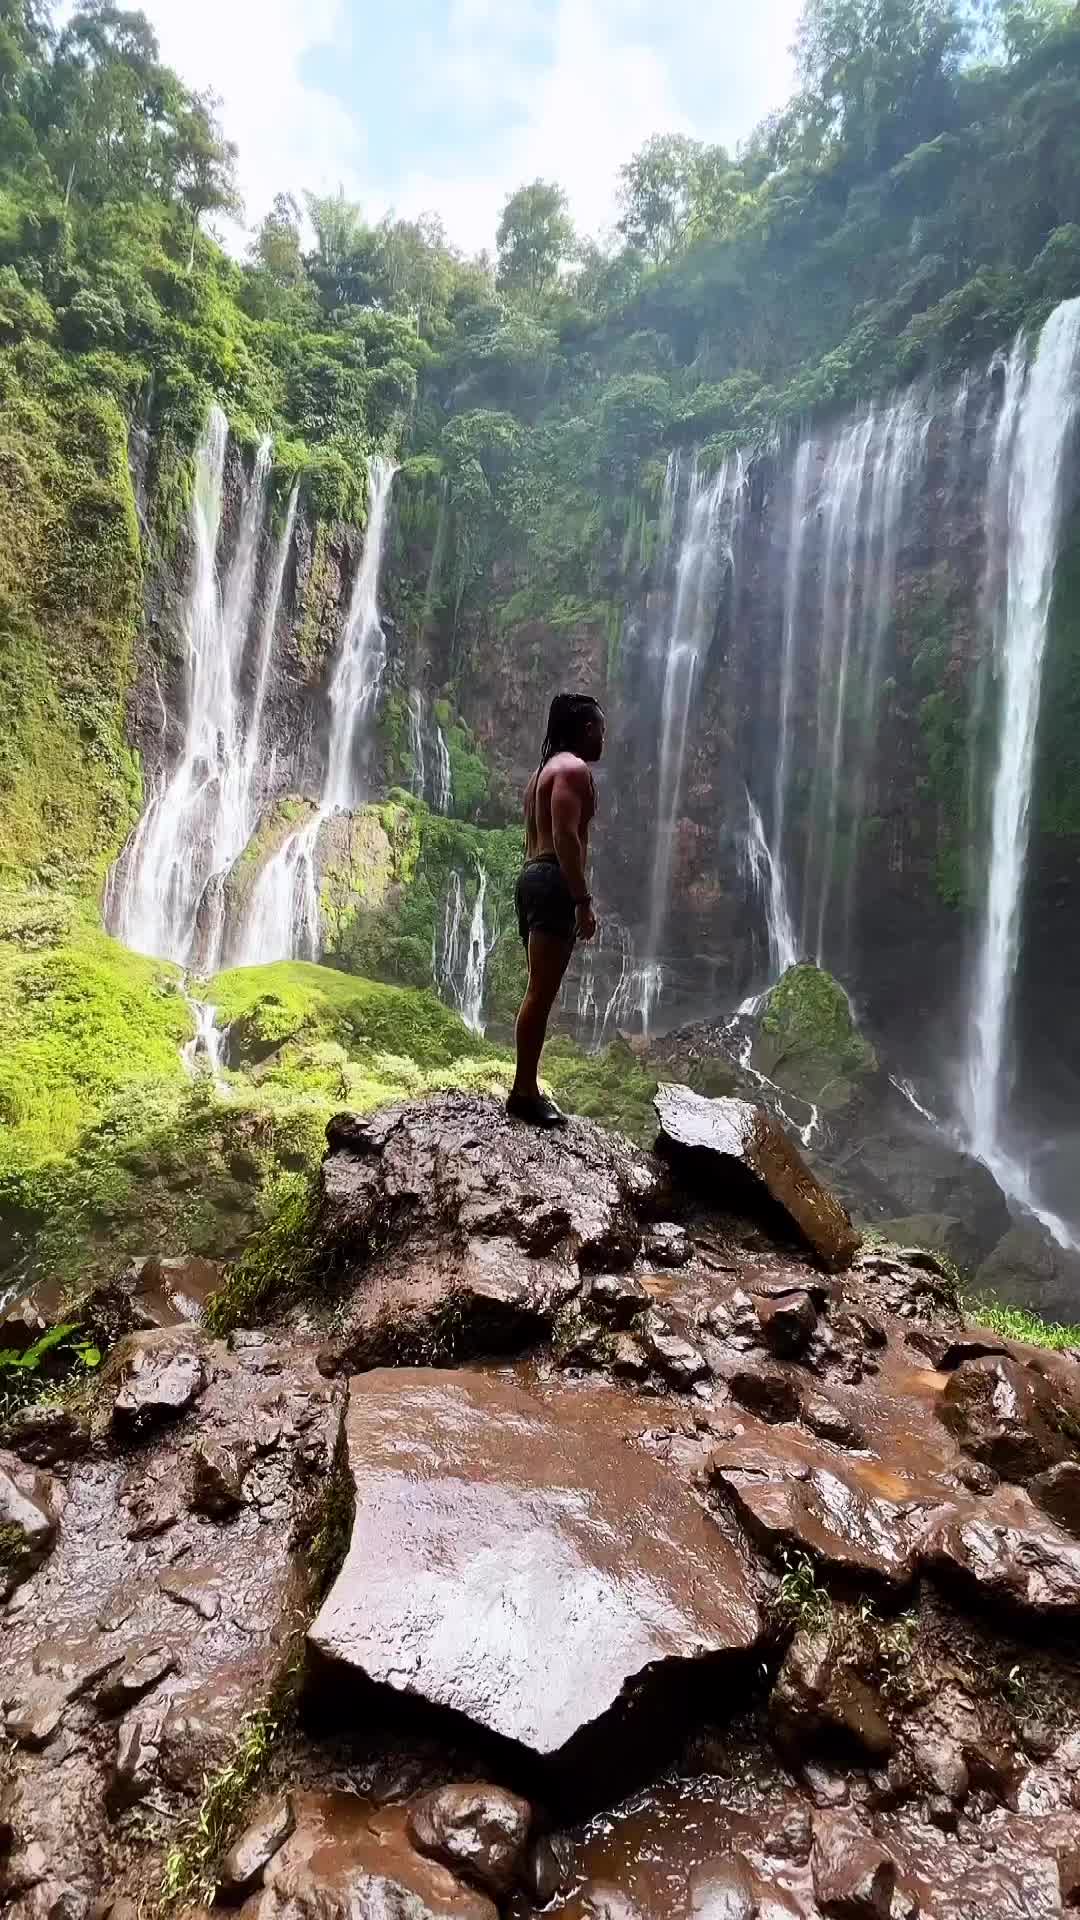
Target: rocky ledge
[{"x": 606, "y": 1533}]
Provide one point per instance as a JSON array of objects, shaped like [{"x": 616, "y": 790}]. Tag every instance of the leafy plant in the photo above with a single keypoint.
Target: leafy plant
[{"x": 800, "y": 1598}]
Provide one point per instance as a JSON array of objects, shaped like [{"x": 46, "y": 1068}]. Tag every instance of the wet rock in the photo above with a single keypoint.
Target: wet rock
[
  {"x": 618, "y": 1297},
  {"x": 677, "y": 1359},
  {"x": 793, "y": 1838},
  {"x": 196, "y": 1587},
  {"x": 172, "y": 1292},
  {"x": 1028, "y": 1268},
  {"x": 770, "y": 1394},
  {"x": 44, "y": 1436},
  {"x": 161, "y": 1375},
  {"x": 1007, "y": 1415},
  {"x": 534, "y": 1558},
  {"x": 134, "y": 1769},
  {"x": 548, "y": 1870},
  {"x": 347, "y": 1860},
  {"x": 723, "y": 1890},
  {"x": 480, "y": 1832},
  {"x": 946, "y": 1351},
  {"x": 247, "y": 1859},
  {"x": 668, "y": 1244},
  {"x": 459, "y": 1163},
  {"x": 787, "y": 1322},
  {"x": 830, "y": 1422},
  {"x": 217, "y": 1482},
  {"x": 20, "y": 1325},
  {"x": 1069, "y": 1876},
  {"x": 628, "y": 1360},
  {"x": 142, "y": 1670},
  {"x": 825, "y": 1507},
  {"x": 28, "y": 1521},
  {"x": 854, "y": 1878},
  {"x": 820, "y": 1691},
  {"x": 749, "y": 1156},
  {"x": 1057, "y": 1492}
]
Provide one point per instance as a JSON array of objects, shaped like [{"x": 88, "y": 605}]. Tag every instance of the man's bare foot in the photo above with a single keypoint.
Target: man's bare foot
[{"x": 536, "y": 1109}]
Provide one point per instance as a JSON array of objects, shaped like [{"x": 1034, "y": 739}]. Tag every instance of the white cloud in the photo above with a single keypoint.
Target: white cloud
[
  {"x": 250, "y": 52},
  {"x": 578, "y": 83}
]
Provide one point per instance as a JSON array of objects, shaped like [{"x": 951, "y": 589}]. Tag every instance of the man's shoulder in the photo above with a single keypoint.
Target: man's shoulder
[{"x": 569, "y": 766}]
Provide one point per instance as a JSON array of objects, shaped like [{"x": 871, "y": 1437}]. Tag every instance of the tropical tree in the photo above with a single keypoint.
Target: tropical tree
[
  {"x": 674, "y": 190},
  {"x": 534, "y": 237}
]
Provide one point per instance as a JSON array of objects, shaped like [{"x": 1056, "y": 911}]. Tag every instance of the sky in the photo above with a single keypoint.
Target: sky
[{"x": 446, "y": 106}]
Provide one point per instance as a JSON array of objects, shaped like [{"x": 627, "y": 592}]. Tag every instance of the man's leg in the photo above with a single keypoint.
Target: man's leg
[{"x": 549, "y": 957}]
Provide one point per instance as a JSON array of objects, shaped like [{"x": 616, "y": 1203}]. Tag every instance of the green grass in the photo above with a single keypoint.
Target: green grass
[
  {"x": 1016, "y": 1323},
  {"x": 295, "y": 1001}
]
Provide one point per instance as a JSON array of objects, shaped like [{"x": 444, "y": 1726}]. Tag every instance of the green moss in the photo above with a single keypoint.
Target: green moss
[
  {"x": 611, "y": 1086},
  {"x": 294, "y": 1001},
  {"x": 279, "y": 1259},
  {"x": 70, "y": 600},
  {"x": 81, "y": 1020},
  {"x": 808, "y": 1040}
]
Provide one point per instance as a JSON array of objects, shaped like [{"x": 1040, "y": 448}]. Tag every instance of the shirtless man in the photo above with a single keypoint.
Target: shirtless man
[{"x": 554, "y": 905}]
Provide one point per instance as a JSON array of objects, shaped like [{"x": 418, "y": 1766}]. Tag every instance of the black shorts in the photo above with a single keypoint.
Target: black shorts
[{"x": 543, "y": 900}]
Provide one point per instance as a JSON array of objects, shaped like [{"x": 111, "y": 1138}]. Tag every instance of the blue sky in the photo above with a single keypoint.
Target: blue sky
[{"x": 447, "y": 105}]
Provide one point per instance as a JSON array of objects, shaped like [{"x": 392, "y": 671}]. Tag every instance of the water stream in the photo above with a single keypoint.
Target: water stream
[{"x": 461, "y": 949}]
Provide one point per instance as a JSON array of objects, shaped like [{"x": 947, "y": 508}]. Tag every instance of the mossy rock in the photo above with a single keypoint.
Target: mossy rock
[{"x": 807, "y": 1040}]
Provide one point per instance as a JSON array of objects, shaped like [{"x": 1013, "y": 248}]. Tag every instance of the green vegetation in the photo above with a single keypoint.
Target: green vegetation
[
  {"x": 1016, "y": 1323},
  {"x": 190, "y": 1863},
  {"x": 809, "y": 1041}
]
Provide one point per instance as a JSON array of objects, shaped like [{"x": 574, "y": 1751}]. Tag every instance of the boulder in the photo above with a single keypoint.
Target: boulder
[
  {"x": 1008, "y": 1416},
  {"x": 746, "y": 1156},
  {"x": 348, "y": 1860},
  {"x": 481, "y": 1832},
  {"x": 171, "y": 1292},
  {"x": 668, "y": 1244},
  {"x": 854, "y": 1877},
  {"x": 1027, "y": 1268},
  {"x": 29, "y": 1502},
  {"x": 1057, "y": 1492},
  {"x": 161, "y": 1375},
  {"x": 823, "y": 1507},
  {"x": 246, "y": 1862},
  {"x": 534, "y": 1561},
  {"x": 820, "y": 1691},
  {"x": 787, "y": 1322}
]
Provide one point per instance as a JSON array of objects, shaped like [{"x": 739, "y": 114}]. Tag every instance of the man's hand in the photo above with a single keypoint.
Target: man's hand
[{"x": 585, "y": 921}]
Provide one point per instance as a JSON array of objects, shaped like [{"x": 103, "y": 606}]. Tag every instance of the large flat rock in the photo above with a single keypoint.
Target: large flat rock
[
  {"x": 518, "y": 1556},
  {"x": 749, "y": 1156}
]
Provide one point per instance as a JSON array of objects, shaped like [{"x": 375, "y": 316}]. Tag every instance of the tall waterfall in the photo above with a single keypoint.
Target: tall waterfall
[
  {"x": 415, "y": 710},
  {"x": 442, "y": 778},
  {"x": 797, "y": 527},
  {"x": 705, "y": 561},
  {"x": 168, "y": 878},
  {"x": 254, "y": 744},
  {"x": 282, "y": 920},
  {"x": 768, "y": 877},
  {"x": 1039, "y": 409},
  {"x": 460, "y": 952}
]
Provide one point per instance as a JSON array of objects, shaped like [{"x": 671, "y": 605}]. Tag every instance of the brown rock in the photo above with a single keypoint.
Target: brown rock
[
  {"x": 748, "y": 1156},
  {"x": 854, "y": 1878},
  {"x": 1057, "y": 1492},
  {"x": 1069, "y": 1872},
  {"x": 20, "y": 1325},
  {"x": 218, "y": 1471},
  {"x": 28, "y": 1506},
  {"x": 480, "y": 1832},
  {"x": 161, "y": 1376},
  {"x": 668, "y": 1244},
  {"x": 142, "y": 1669},
  {"x": 677, "y": 1359},
  {"x": 533, "y": 1559},
  {"x": 43, "y": 1436},
  {"x": 824, "y": 1508},
  {"x": 1007, "y": 1415},
  {"x": 830, "y": 1422},
  {"x": 247, "y": 1859},
  {"x": 787, "y": 1322},
  {"x": 765, "y": 1392},
  {"x": 947, "y": 1351},
  {"x": 820, "y": 1692},
  {"x": 347, "y": 1860}
]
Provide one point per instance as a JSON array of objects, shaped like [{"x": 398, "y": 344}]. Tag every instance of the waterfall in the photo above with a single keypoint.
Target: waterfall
[
  {"x": 633, "y": 998},
  {"x": 768, "y": 877},
  {"x": 705, "y": 560},
  {"x": 415, "y": 709},
  {"x": 205, "y": 1045},
  {"x": 1039, "y": 409},
  {"x": 253, "y": 744},
  {"x": 282, "y": 919},
  {"x": 459, "y": 960},
  {"x": 195, "y": 823},
  {"x": 443, "y": 780},
  {"x": 357, "y": 676},
  {"x": 799, "y": 515}
]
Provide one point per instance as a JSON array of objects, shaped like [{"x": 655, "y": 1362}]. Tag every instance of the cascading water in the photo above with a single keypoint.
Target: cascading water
[
  {"x": 415, "y": 710},
  {"x": 195, "y": 824},
  {"x": 203, "y": 1050},
  {"x": 254, "y": 745},
  {"x": 631, "y": 998},
  {"x": 442, "y": 778},
  {"x": 769, "y": 879},
  {"x": 460, "y": 955},
  {"x": 797, "y": 525},
  {"x": 282, "y": 919},
  {"x": 1039, "y": 409},
  {"x": 705, "y": 561}
]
